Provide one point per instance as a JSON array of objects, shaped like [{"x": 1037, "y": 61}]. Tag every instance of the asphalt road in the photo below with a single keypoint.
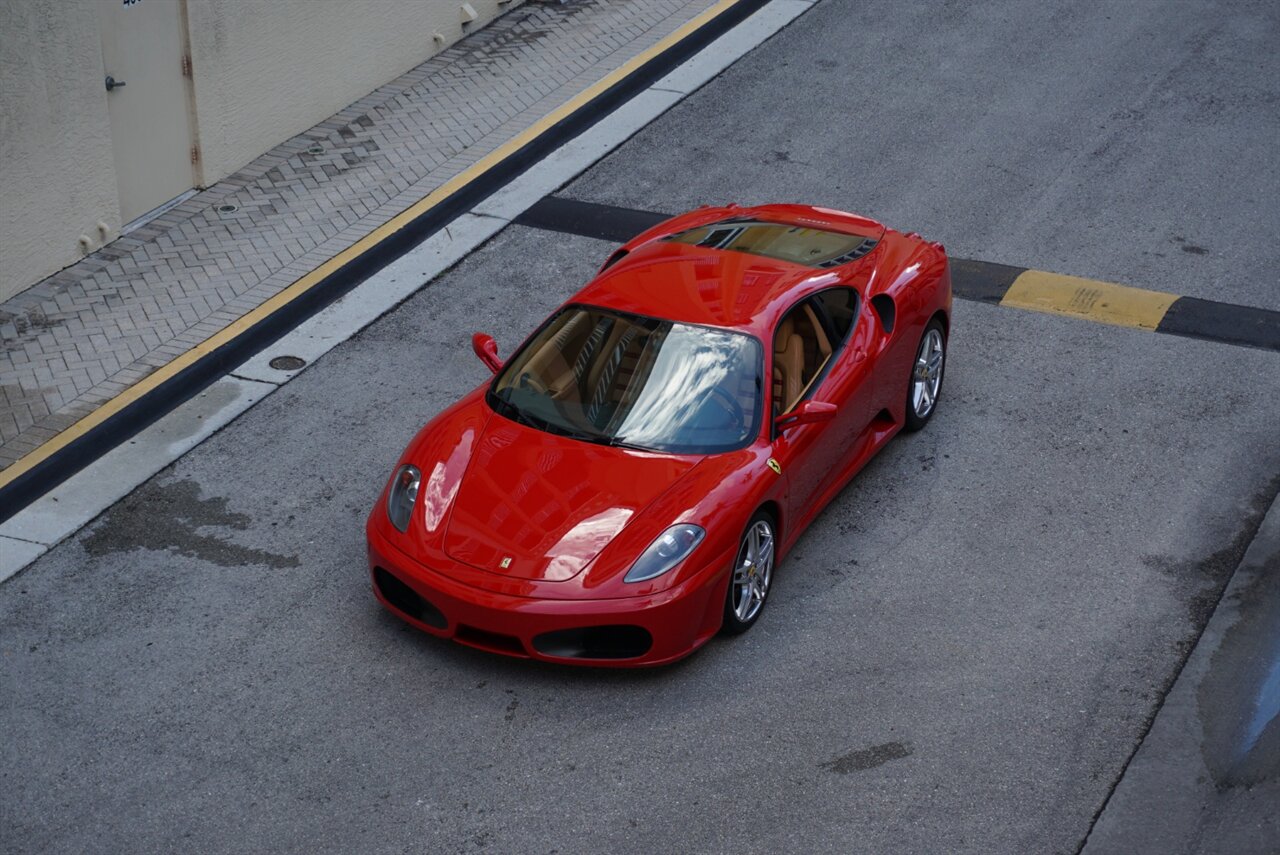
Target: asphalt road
[{"x": 962, "y": 653}]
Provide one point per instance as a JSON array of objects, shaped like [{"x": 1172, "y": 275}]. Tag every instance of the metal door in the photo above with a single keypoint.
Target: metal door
[{"x": 147, "y": 101}]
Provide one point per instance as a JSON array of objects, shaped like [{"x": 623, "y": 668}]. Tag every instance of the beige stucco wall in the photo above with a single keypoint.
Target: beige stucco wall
[
  {"x": 57, "y": 178},
  {"x": 265, "y": 70}
]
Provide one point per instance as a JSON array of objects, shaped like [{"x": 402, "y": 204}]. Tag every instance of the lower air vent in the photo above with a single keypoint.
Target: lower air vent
[
  {"x": 405, "y": 599},
  {"x": 494, "y": 642},
  {"x": 595, "y": 642}
]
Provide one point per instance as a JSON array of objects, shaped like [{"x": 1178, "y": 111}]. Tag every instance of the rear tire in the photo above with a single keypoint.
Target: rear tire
[{"x": 925, "y": 383}]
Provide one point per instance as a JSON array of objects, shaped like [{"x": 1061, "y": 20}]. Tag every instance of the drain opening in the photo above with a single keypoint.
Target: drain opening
[
  {"x": 287, "y": 363},
  {"x": 228, "y": 209}
]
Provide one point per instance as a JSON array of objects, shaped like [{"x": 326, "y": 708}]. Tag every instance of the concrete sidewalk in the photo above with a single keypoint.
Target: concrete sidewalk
[{"x": 87, "y": 334}]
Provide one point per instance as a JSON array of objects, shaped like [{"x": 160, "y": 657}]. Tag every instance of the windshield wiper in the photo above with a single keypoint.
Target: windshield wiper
[
  {"x": 619, "y": 442},
  {"x": 521, "y": 416},
  {"x": 585, "y": 436}
]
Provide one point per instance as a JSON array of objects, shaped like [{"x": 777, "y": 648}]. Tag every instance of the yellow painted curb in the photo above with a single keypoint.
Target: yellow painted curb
[
  {"x": 310, "y": 280},
  {"x": 1104, "y": 302}
]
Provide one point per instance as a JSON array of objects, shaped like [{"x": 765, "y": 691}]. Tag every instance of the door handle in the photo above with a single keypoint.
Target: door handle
[{"x": 112, "y": 83}]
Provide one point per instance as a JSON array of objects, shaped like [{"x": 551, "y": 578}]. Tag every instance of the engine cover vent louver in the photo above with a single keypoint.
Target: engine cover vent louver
[{"x": 852, "y": 255}]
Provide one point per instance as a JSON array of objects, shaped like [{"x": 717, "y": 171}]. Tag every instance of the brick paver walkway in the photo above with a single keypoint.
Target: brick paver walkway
[{"x": 82, "y": 336}]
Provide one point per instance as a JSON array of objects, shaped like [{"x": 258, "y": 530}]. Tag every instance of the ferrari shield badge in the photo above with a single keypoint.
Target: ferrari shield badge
[
  {"x": 506, "y": 562},
  {"x": 775, "y": 466}
]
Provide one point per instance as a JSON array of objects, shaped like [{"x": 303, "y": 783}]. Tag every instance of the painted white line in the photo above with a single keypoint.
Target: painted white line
[
  {"x": 92, "y": 490},
  {"x": 729, "y": 48},
  {"x": 582, "y": 152},
  {"x": 577, "y": 155},
  {"x": 78, "y": 500},
  {"x": 16, "y": 554},
  {"x": 374, "y": 297}
]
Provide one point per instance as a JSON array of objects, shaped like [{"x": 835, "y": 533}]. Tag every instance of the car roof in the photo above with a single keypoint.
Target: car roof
[{"x": 715, "y": 287}]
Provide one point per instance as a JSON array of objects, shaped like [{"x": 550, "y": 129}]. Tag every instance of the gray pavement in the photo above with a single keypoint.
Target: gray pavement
[
  {"x": 960, "y": 656},
  {"x": 1207, "y": 778}
]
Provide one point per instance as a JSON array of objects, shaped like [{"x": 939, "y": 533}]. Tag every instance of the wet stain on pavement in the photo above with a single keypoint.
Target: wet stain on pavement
[
  {"x": 1209, "y": 575},
  {"x": 1189, "y": 247},
  {"x": 28, "y": 324},
  {"x": 168, "y": 518},
  {"x": 867, "y": 758},
  {"x": 536, "y": 23},
  {"x": 1239, "y": 697}
]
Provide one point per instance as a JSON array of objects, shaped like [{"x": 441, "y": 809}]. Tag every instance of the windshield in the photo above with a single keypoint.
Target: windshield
[{"x": 621, "y": 379}]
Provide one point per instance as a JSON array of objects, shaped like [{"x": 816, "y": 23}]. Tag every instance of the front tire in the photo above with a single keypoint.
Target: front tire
[
  {"x": 751, "y": 576},
  {"x": 925, "y": 383}
]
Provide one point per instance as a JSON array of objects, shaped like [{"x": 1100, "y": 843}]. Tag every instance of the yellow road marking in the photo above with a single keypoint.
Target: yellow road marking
[
  {"x": 1104, "y": 302},
  {"x": 310, "y": 280}
]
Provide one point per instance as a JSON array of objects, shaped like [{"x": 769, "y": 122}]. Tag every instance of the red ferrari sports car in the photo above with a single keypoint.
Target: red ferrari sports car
[{"x": 625, "y": 486}]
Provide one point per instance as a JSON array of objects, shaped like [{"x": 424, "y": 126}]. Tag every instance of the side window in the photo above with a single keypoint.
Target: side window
[
  {"x": 840, "y": 306},
  {"x": 806, "y": 340},
  {"x": 801, "y": 349}
]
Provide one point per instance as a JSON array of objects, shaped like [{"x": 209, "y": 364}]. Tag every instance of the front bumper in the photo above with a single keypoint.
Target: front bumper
[{"x": 628, "y": 632}]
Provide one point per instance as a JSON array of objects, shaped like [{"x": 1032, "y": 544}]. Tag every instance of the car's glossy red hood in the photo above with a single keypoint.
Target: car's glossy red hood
[{"x": 546, "y": 505}]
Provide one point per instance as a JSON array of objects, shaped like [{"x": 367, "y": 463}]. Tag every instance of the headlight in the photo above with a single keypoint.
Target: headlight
[
  {"x": 403, "y": 495},
  {"x": 671, "y": 547}
]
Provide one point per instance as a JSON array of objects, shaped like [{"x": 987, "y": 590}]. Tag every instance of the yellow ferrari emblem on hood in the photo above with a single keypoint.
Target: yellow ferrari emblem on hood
[
  {"x": 775, "y": 466},
  {"x": 506, "y": 562}
]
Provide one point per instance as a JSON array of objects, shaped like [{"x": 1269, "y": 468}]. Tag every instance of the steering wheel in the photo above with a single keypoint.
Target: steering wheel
[{"x": 729, "y": 405}]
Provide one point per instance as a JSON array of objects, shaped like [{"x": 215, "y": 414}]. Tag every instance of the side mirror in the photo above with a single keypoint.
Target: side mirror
[
  {"x": 487, "y": 349},
  {"x": 806, "y": 414}
]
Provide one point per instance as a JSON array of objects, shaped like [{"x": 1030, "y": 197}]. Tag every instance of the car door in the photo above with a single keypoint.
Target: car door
[
  {"x": 849, "y": 383},
  {"x": 812, "y": 455}
]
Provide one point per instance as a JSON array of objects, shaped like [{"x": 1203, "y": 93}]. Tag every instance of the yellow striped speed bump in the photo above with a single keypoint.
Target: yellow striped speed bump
[
  {"x": 983, "y": 281},
  {"x": 1090, "y": 299}
]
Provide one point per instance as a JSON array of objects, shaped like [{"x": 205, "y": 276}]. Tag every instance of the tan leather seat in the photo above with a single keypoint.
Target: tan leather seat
[
  {"x": 801, "y": 349},
  {"x": 612, "y": 372},
  {"x": 822, "y": 344},
  {"x": 788, "y": 367},
  {"x": 551, "y": 362},
  {"x": 605, "y": 355}
]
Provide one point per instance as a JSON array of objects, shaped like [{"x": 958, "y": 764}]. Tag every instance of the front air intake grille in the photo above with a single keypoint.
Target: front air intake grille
[
  {"x": 405, "y": 599},
  {"x": 595, "y": 642},
  {"x": 494, "y": 642}
]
